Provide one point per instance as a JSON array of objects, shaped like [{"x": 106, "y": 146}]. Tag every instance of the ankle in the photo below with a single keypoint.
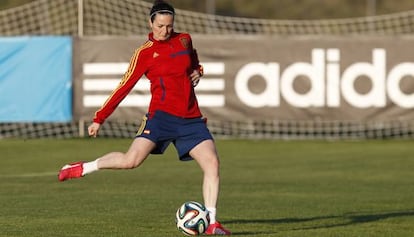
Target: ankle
[
  {"x": 90, "y": 167},
  {"x": 212, "y": 211}
]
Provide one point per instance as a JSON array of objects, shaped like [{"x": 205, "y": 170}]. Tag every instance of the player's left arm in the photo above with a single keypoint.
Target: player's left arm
[
  {"x": 195, "y": 77},
  {"x": 198, "y": 71}
]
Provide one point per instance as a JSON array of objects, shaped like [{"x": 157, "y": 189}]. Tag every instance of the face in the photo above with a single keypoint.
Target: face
[{"x": 162, "y": 27}]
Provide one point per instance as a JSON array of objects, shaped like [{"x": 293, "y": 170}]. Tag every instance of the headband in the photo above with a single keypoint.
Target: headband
[{"x": 162, "y": 11}]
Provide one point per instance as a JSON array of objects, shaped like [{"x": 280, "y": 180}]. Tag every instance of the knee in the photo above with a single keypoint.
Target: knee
[
  {"x": 129, "y": 165},
  {"x": 131, "y": 162},
  {"x": 213, "y": 166},
  {"x": 215, "y": 162}
]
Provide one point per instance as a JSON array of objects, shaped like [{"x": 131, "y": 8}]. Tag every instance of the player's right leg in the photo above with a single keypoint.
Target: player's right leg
[{"x": 137, "y": 153}]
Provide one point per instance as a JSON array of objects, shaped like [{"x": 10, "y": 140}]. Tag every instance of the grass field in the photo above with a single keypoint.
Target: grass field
[{"x": 269, "y": 188}]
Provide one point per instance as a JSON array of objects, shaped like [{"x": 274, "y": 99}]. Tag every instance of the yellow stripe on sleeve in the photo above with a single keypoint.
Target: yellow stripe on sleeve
[{"x": 128, "y": 74}]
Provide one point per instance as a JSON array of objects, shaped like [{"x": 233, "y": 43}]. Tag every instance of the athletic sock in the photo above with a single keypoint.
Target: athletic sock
[
  {"x": 90, "y": 167},
  {"x": 212, "y": 213}
]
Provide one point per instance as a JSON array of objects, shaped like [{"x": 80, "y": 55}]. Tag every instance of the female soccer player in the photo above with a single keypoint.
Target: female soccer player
[{"x": 171, "y": 64}]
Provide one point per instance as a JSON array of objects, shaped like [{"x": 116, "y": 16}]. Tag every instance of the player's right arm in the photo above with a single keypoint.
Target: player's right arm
[
  {"x": 136, "y": 69},
  {"x": 93, "y": 129}
]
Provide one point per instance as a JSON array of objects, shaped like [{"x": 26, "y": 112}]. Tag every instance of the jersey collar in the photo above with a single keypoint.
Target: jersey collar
[{"x": 151, "y": 37}]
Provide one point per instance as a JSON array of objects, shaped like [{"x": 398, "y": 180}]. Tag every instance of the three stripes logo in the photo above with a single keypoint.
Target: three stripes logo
[{"x": 100, "y": 79}]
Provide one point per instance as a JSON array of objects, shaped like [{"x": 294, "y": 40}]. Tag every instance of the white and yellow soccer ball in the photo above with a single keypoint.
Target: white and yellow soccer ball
[{"x": 192, "y": 218}]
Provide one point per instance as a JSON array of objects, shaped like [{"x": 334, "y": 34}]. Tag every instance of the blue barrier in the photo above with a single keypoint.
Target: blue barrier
[{"x": 35, "y": 79}]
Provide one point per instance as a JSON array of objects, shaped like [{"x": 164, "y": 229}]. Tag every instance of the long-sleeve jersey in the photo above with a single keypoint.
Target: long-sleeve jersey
[{"x": 168, "y": 65}]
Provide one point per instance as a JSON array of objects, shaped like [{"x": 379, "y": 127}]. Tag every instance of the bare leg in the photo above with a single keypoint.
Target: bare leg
[
  {"x": 137, "y": 153},
  {"x": 206, "y": 156}
]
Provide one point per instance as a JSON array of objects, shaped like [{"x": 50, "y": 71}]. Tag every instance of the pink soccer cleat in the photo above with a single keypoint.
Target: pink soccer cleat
[
  {"x": 217, "y": 229},
  {"x": 71, "y": 171}
]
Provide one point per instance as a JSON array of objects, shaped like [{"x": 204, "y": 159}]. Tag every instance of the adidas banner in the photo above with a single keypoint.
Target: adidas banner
[{"x": 265, "y": 78}]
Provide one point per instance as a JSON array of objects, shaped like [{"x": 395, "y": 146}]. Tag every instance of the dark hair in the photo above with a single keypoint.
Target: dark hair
[{"x": 161, "y": 7}]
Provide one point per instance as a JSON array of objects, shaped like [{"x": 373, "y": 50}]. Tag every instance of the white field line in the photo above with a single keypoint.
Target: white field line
[{"x": 29, "y": 175}]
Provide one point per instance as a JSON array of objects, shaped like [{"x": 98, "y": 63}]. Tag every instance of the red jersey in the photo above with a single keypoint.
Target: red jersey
[{"x": 168, "y": 65}]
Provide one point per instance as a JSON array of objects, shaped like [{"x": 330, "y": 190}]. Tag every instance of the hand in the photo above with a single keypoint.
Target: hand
[
  {"x": 195, "y": 77},
  {"x": 93, "y": 129}
]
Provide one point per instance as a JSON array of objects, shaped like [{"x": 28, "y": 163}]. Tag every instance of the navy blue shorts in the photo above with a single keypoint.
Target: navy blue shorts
[{"x": 163, "y": 128}]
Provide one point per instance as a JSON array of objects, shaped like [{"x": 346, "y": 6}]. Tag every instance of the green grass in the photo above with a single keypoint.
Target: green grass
[{"x": 269, "y": 188}]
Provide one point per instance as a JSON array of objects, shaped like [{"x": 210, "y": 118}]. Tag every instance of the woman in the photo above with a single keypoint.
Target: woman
[{"x": 171, "y": 64}]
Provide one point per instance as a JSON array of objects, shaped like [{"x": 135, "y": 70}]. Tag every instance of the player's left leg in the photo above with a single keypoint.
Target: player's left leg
[{"x": 205, "y": 154}]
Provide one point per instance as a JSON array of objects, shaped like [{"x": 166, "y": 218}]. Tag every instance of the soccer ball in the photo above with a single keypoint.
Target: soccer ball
[{"x": 192, "y": 218}]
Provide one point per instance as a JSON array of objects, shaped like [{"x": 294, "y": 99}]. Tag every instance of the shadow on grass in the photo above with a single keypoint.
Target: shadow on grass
[{"x": 319, "y": 222}]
